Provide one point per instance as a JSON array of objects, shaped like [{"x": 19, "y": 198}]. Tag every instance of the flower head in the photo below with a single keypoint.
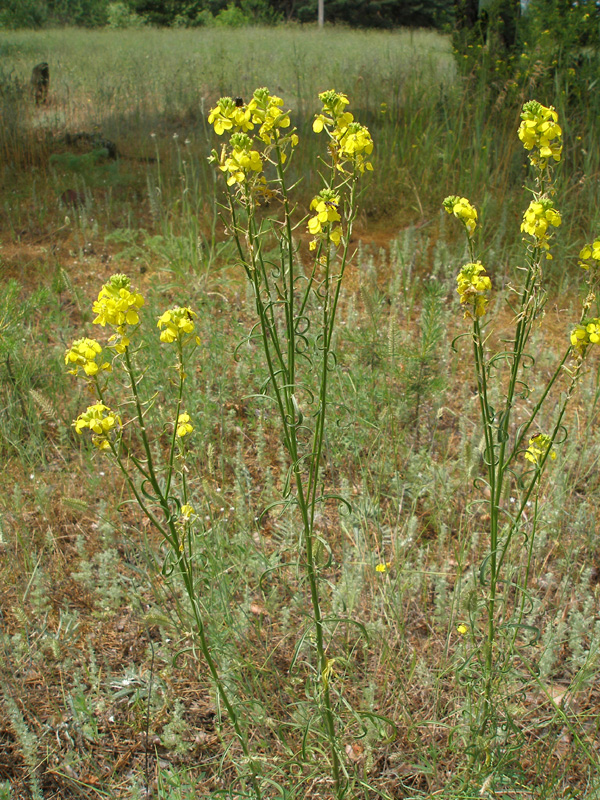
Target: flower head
[
  {"x": 227, "y": 115},
  {"x": 184, "y": 425},
  {"x": 100, "y": 420},
  {"x": 536, "y": 221},
  {"x": 118, "y": 306},
  {"x": 322, "y": 225},
  {"x": 82, "y": 355},
  {"x": 540, "y": 133},
  {"x": 473, "y": 288},
  {"x": 242, "y": 161},
  {"x": 538, "y": 447},
  {"x": 383, "y": 567},
  {"x": 586, "y": 333},
  {"x": 266, "y": 110},
  {"x": 334, "y": 112},
  {"x": 354, "y": 143},
  {"x": 186, "y": 511},
  {"x": 178, "y": 323},
  {"x": 462, "y": 210},
  {"x": 351, "y": 141},
  {"x": 590, "y": 254}
]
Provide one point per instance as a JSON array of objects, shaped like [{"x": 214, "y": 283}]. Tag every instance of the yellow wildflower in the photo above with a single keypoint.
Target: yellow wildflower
[
  {"x": 587, "y": 332},
  {"x": 334, "y": 112},
  {"x": 242, "y": 160},
  {"x": 473, "y": 287},
  {"x": 177, "y": 323},
  {"x": 462, "y": 210},
  {"x": 537, "y": 218},
  {"x": 462, "y": 628},
  {"x": 383, "y": 567},
  {"x": 355, "y": 143},
  {"x": 187, "y": 511},
  {"x": 540, "y": 132},
  {"x": 82, "y": 355},
  {"x": 116, "y": 304},
  {"x": 230, "y": 114},
  {"x": 100, "y": 420},
  {"x": 538, "y": 447},
  {"x": 266, "y": 110},
  {"x": 589, "y": 254},
  {"x": 322, "y": 225},
  {"x": 183, "y": 425}
]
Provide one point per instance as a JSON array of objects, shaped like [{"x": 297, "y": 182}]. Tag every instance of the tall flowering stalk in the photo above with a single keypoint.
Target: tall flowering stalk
[
  {"x": 254, "y": 159},
  {"x": 517, "y": 452},
  {"x": 162, "y": 494}
]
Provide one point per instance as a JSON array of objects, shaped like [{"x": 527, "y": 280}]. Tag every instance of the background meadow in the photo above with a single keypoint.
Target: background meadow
[{"x": 102, "y": 693}]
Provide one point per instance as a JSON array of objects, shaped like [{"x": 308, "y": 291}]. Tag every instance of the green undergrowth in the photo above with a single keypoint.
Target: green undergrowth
[{"x": 101, "y": 691}]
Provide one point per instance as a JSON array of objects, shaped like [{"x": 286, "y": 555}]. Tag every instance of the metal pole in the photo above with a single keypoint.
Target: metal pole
[{"x": 321, "y": 13}]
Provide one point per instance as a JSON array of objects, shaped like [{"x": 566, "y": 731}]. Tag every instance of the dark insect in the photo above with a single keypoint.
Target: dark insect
[{"x": 239, "y": 102}]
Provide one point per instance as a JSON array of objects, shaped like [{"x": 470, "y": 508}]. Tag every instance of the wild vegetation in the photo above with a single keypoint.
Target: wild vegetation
[{"x": 383, "y": 584}]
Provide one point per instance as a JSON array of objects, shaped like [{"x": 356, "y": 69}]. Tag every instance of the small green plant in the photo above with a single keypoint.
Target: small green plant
[{"x": 516, "y": 452}]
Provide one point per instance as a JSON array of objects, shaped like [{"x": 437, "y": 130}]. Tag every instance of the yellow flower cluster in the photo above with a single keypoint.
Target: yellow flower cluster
[
  {"x": 100, "y": 420},
  {"x": 537, "y": 219},
  {"x": 184, "y": 425},
  {"x": 267, "y": 112},
  {"x": 540, "y": 132},
  {"x": 462, "y": 210},
  {"x": 587, "y": 332},
  {"x": 264, "y": 109},
  {"x": 82, "y": 355},
  {"x": 352, "y": 141},
  {"x": 589, "y": 254},
  {"x": 322, "y": 225},
  {"x": 242, "y": 160},
  {"x": 538, "y": 447},
  {"x": 178, "y": 323},
  {"x": 118, "y": 306},
  {"x": 186, "y": 511},
  {"x": 473, "y": 287},
  {"x": 384, "y": 567},
  {"x": 230, "y": 114}
]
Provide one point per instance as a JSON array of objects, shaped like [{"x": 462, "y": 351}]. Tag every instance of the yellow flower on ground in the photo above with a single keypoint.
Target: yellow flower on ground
[
  {"x": 462, "y": 210},
  {"x": 473, "y": 287},
  {"x": 118, "y": 306},
  {"x": 383, "y": 567},
  {"x": 540, "y": 132},
  {"x": 177, "y": 323},
  {"x": 538, "y": 447},
  {"x": 82, "y": 355},
  {"x": 589, "y": 254},
  {"x": 462, "y": 628},
  {"x": 183, "y": 425},
  {"x": 101, "y": 421},
  {"x": 537, "y": 218}
]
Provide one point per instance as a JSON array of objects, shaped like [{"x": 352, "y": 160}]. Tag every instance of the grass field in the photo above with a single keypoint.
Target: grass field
[{"x": 103, "y": 688}]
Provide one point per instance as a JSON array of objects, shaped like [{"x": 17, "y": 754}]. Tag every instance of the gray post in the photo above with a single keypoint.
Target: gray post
[{"x": 321, "y": 13}]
